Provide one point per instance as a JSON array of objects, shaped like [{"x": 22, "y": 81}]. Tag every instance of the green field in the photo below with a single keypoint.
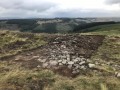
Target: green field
[{"x": 112, "y": 29}]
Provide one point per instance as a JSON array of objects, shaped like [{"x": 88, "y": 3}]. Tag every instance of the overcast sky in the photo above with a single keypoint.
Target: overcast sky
[{"x": 59, "y": 8}]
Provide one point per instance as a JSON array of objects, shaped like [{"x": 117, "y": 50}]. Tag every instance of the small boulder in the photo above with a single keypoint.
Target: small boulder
[
  {"x": 81, "y": 63},
  {"x": 70, "y": 63},
  {"x": 38, "y": 66},
  {"x": 53, "y": 63},
  {"x": 82, "y": 67},
  {"x": 64, "y": 62},
  {"x": 91, "y": 65},
  {"x": 70, "y": 66},
  {"x": 59, "y": 61},
  {"x": 60, "y": 64},
  {"x": 74, "y": 72},
  {"x": 35, "y": 57},
  {"x": 42, "y": 60},
  {"x": 117, "y": 74},
  {"x": 45, "y": 65}
]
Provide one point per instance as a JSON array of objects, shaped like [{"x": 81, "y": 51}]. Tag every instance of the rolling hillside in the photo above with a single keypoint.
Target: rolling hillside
[{"x": 24, "y": 58}]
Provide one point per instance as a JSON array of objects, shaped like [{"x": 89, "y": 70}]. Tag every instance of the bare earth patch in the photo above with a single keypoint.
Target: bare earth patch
[{"x": 64, "y": 54}]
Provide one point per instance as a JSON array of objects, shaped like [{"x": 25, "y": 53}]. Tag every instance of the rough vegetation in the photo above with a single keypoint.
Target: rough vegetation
[
  {"x": 87, "y": 61},
  {"x": 12, "y": 43}
]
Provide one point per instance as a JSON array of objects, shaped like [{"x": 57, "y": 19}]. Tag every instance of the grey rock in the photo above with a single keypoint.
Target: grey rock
[
  {"x": 78, "y": 59},
  {"x": 74, "y": 72},
  {"x": 64, "y": 62},
  {"x": 82, "y": 67},
  {"x": 38, "y": 66},
  {"x": 63, "y": 57},
  {"x": 55, "y": 42},
  {"x": 70, "y": 63},
  {"x": 28, "y": 54},
  {"x": 75, "y": 60},
  {"x": 73, "y": 57},
  {"x": 77, "y": 67},
  {"x": 70, "y": 66},
  {"x": 59, "y": 61},
  {"x": 60, "y": 64},
  {"x": 35, "y": 57},
  {"x": 53, "y": 63},
  {"x": 65, "y": 52},
  {"x": 118, "y": 75},
  {"x": 81, "y": 63},
  {"x": 63, "y": 46},
  {"x": 45, "y": 65},
  {"x": 68, "y": 57},
  {"x": 42, "y": 60},
  {"x": 77, "y": 71},
  {"x": 91, "y": 65}
]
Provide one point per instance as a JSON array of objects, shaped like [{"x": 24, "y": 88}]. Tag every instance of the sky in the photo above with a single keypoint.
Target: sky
[{"x": 59, "y": 8}]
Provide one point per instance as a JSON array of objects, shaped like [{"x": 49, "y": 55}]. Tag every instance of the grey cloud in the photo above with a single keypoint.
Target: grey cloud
[
  {"x": 113, "y": 1},
  {"x": 27, "y": 4},
  {"x": 80, "y": 13},
  {"x": 24, "y": 8},
  {"x": 46, "y": 9}
]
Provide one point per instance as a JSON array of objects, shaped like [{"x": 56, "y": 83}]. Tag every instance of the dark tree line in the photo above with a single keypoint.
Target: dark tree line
[
  {"x": 84, "y": 27},
  {"x": 24, "y": 24}
]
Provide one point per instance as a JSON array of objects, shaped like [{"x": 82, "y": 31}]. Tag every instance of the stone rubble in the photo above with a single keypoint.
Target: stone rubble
[{"x": 72, "y": 62}]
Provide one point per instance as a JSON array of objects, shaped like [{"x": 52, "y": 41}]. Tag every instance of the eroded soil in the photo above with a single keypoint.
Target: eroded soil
[{"x": 67, "y": 47}]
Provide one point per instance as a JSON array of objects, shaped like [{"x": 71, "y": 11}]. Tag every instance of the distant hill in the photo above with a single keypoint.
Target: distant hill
[{"x": 57, "y": 25}]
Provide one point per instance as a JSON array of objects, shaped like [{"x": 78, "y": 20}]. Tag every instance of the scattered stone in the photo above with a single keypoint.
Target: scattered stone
[
  {"x": 81, "y": 63},
  {"x": 55, "y": 42},
  {"x": 63, "y": 46},
  {"x": 74, "y": 72},
  {"x": 59, "y": 61},
  {"x": 65, "y": 52},
  {"x": 45, "y": 65},
  {"x": 91, "y": 65},
  {"x": 118, "y": 75},
  {"x": 63, "y": 57},
  {"x": 64, "y": 62},
  {"x": 77, "y": 67},
  {"x": 70, "y": 62},
  {"x": 82, "y": 67},
  {"x": 18, "y": 58},
  {"x": 76, "y": 60},
  {"x": 38, "y": 66},
  {"x": 68, "y": 57},
  {"x": 70, "y": 66},
  {"x": 60, "y": 64},
  {"x": 28, "y": 54},
  {"x": 53, "y": 63},
  {"x": 77, "y": 71},
  {"x": 42, "y": 60},
  {"x": 35, "y": 57}
]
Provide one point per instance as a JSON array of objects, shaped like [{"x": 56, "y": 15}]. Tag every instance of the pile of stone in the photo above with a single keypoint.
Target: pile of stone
[
  {"x": 76, "y": 64},
  {"x": 70, "y": 51}
]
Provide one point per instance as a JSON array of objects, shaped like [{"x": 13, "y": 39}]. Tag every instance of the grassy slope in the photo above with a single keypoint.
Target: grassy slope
[
  {"x": 109, "y": 51},
  {"x": 112, "y": 29},
  {"x": 17, "y": 78},
  {"x": 12, "y": 43}
]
